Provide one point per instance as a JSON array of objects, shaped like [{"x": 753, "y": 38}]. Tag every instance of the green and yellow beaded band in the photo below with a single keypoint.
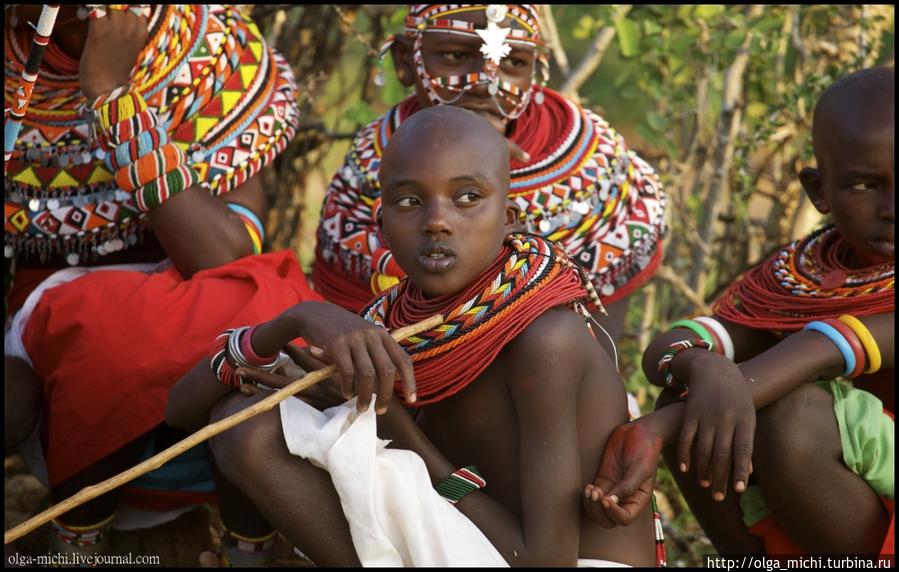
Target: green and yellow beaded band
[{"x": 460, "y": 483}]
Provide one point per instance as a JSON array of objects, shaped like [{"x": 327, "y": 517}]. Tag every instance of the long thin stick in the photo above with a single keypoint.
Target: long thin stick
[
  {"x": 160, "y": 459},
  {"x": 22, "y": 95}
]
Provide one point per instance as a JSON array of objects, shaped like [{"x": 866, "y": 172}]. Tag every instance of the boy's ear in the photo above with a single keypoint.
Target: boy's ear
[
  {"x": 383, "y": 235},
  {"x": 402, "y": 60},
  {"x": 811, "y": 182},
  {"x": 512, "y": 222}
]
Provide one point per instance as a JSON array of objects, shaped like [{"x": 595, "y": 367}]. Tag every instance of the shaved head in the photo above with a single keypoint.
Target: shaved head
[
  {"x": 862, "y": 99},
  {"x": 469, "y": 138}
]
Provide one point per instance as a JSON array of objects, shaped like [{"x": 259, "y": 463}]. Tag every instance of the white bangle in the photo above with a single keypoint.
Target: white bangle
[{"x": 727, "y": 344}]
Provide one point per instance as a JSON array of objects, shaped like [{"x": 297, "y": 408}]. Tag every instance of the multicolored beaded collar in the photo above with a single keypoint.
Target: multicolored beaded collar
[
  {"x": 529, "y": 276},
  {"x": 582, "y": 188},
  {"x": 225, "y": 98},
  {"x": 808, "y": 279}
]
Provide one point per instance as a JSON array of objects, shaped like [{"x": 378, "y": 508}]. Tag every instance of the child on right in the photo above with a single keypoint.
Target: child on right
[{"x": 820, "y": 454}]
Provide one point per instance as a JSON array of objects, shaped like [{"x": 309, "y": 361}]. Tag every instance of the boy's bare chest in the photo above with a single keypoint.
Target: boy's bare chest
[{"x": 479, "y": 426}]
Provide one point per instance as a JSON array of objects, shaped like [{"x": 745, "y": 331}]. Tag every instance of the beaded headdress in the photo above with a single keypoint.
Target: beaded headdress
[{"x": 498, "y": 40}]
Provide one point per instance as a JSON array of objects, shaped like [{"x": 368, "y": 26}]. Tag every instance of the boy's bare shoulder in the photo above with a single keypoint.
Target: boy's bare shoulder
[{"x": 556, "y": 344}]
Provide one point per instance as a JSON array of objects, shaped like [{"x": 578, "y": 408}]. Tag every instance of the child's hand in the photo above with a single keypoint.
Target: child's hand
[
  {"x": 110, "y": 52},
  {"x": 626, "y": 476},
  {"x": 719, "y": 425},
  {"x": 368, "y": 360}
]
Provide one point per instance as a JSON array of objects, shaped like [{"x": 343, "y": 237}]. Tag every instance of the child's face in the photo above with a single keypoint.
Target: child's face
[
  {"x": 855, "y": 182},
  {"x": 447, "y": 54},
  {"x": 445, "y": 208}
]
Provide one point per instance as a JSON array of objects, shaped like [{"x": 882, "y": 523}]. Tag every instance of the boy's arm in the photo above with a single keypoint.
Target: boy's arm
[
  {"x": 368, "y": 361},
  {"x": 543, "y": 373},
  {"x": 799, "y": 358}
]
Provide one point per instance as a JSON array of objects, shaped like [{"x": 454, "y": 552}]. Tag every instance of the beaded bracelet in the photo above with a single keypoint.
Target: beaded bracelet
[
  {"x": 226, "y": 357},
  {"x": 867, "y": 340},
  {"x": 838, "y": 340},
  {"x": 252, "y": 223},
  {"x": 124, "y": 131},
  {"x": 668, "y": 357},
  {"x": 460, "y": 483},
  {"x": 698, "y": 329},
  {"x": 246, "y": 348},
  {"x": 854, "y": 343},
  {"x": 150, "y": 167},
  {"x": 157, "y": 192},
  {"x": 726, "y": 343},
  {"x": 130, "y": 151}
]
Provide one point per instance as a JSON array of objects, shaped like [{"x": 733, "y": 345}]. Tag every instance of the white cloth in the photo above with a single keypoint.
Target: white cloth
[
  {"x": 396, "y": 517},
  {"x": 596, "y": 563}
]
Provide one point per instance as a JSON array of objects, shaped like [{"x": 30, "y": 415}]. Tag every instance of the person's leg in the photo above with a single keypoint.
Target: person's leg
[
  {"x": 249, "y": 538},
  {"x": 84, "y": 527},
  {"x": 289, "y": 492},
  {"x": 22, "y": 395},
  {"x": 722, "y": 521},
  {"x": 798, "y": 463}
]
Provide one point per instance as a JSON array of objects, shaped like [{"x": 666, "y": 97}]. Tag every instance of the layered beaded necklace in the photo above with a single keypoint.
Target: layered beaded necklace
[{"x": 809, "y": 279}]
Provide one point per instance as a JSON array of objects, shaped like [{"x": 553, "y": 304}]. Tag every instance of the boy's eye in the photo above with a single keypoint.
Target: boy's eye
[
  {"x": 469, "y": 197},
  {"x": 514, "y": 62},
  {"x": 406, "y": 202},
  {"x": 867, "y": 186}
]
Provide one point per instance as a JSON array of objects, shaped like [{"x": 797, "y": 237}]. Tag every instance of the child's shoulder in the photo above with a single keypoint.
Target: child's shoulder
[{"x": 556, "y": 344}]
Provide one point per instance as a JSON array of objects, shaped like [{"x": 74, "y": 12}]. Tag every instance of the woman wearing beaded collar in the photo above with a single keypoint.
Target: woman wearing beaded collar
[
  {"x": 141, "y": 118},
  {"x": 572, "y": 175}
]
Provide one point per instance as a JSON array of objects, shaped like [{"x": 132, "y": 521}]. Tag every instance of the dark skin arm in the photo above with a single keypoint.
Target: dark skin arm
[
  {"x": 196, "y": 230},
  {"x": 799, "y": 358},
  {"x": 368, "y": 361},
  {"x": 546, "y": 533}
]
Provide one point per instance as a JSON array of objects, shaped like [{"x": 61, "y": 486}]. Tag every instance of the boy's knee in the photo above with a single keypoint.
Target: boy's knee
[
  {"x": 241, "y": 452},
  {"x": 794, "y": 427}
]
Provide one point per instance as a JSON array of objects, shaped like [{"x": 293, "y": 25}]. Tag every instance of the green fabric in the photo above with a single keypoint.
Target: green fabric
[
  {"x": 752, "y": 503},
  {"x": 866, "y": 434},
  {"x": 866, "y": 437}
]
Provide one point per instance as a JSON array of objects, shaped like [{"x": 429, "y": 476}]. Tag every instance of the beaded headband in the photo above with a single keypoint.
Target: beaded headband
[{"x": 424, "y": 18}]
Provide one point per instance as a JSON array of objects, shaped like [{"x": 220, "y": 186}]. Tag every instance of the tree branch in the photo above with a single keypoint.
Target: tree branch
[
  {"x": 553, "y": 41},
  {"x": 593, "y": 57},
  {"x": 666, "y": 273}
]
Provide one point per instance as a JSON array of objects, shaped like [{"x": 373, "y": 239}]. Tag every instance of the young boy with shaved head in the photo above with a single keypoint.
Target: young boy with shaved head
[
  {"x": 511, "y": 388},
  {"x": 820, "y": 454}
]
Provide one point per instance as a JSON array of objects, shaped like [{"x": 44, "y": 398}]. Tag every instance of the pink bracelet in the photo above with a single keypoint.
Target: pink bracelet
[{"x": 246, "y": 347}]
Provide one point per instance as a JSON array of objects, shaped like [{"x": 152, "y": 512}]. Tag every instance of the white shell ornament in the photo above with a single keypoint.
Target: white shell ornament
[{"x": 496, "y": 12}]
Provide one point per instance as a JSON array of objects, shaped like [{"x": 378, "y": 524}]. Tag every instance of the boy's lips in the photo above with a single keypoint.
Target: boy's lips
[{"x": 436, "y": 257}]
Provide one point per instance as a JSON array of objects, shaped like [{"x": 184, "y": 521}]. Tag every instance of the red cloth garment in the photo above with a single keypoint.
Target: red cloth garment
[{"x": 108, "y": 346}]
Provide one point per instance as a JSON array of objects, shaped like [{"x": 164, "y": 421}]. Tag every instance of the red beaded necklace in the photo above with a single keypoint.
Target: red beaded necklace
[{"x": 810, "y": 279}]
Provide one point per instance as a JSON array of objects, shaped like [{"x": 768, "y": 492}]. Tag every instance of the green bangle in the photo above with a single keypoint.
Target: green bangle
[
  {"x": 697, "y": 328},
  {"x": 460, "y": 483}
]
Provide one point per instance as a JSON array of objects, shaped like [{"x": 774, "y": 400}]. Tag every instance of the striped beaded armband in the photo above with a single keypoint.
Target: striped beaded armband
[
  {"x": 121, "y": 104},
  {"x": 668, "y": 357},
  {"x": 253, "y": 225},
  {"x": 162, "y": 189},
  {"x": 139, "y": 146},
  {"x": 124, "y": 131},
  {"x": 227, "y": 356},
  {"x": 460, "y": 483},
  {"x": 150, "y": 167}
]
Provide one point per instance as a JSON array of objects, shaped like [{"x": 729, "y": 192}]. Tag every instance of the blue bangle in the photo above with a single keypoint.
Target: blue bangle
[{"x": 838, "y": 340}]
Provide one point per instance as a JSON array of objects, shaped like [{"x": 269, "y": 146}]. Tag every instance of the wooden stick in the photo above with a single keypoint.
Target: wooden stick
[{"x": 211, "y": 430}]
